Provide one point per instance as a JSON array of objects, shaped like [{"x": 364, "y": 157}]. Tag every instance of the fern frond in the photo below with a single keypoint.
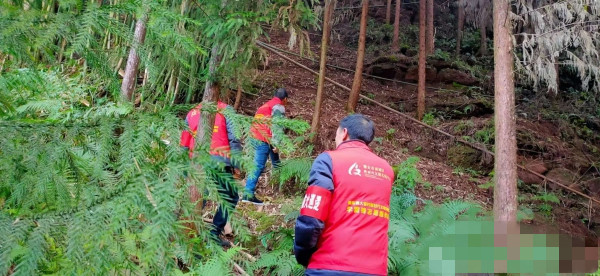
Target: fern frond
[{"x": 297, "y": 169}]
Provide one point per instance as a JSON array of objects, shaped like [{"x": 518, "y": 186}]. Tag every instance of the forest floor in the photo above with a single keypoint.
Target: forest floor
[{"x": 400, "y": 139}]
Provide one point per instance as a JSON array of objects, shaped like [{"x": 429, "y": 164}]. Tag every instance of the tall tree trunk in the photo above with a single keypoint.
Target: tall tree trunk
[
  {"x": 395, "y": 42},
  {"x": 360, "y": 58},
  {"x": 184, "y": 8},
  {"x": 4, "y": 57},
  {"x": 329, "y": 7},
  {"x": 172, "y": 86},
  {"x": 483, "y": 40},
  {"x": 227, "y": 95},
  {"x": 207, "y": 119},
  {"x": 145, "y": 76},
  {"x": 238, "y": 98},
  {"x": 131, "y": 70},
  {"x": 555, "y": 90},
  {"x": 192, "y": 77},
  {"x": 461, "y": 26},
  {"x": 176, "y": 91},
  {"x": 505, "y": 189},
  {"x": 388, "y": 12},
  {"x": 211, "y": 94},
  {"x": 422, "y": 58},
  {"x": 63, "y": 44},
  {"x": 430, "y": 28},
  {"x": 176, "y": 80}
]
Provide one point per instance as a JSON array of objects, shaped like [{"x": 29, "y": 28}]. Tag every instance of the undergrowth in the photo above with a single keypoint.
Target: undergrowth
[{"x": 106, "y": 185}]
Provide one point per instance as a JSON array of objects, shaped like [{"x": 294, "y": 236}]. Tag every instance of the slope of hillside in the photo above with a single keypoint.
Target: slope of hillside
[{"x": 397, "y": 138}]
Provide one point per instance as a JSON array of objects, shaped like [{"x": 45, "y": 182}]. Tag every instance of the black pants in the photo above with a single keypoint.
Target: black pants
[{"x": 228, "y": 192}]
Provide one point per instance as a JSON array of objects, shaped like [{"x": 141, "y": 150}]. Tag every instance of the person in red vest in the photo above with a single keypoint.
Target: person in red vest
[
  {"x": 264, "y": 141},
  {"x": 343, "y": 222},
  {"x": 223, "y": 145}
]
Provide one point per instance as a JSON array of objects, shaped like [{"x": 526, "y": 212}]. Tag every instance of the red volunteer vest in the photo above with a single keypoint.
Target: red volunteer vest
[
  {"x": 355, "y": 238},
  {"x": 261, "y": 127},
  {"x": 219, "y": 142}
]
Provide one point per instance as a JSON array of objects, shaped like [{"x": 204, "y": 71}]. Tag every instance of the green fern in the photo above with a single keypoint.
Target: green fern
[
  {"x": 293, "y": 169},
  {"x": 89, "y": 210},
  {"x": 412, "y": 234},
  {"x": 280, "y": 260},
  {"x": 546, "y": 197},
  {"x": 104, "y": 189},
  {"x": 91, "y": 186}
]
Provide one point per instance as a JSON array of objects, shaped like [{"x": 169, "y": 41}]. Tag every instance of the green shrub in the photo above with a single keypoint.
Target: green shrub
[
  {"x": 407, "y": 176},
  {"x": 463, "y": 126},
  {"x": 429, "y": 119},
  {"x": 389, "y": 134}
]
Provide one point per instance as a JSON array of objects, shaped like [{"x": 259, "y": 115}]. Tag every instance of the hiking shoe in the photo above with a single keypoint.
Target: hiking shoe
[{"x": 253, "y": 200}]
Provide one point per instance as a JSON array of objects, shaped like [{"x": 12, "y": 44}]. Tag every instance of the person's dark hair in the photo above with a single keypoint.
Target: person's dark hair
[
  {"x": 281, "y": 93},
  {"x": 359, "y": 127}
]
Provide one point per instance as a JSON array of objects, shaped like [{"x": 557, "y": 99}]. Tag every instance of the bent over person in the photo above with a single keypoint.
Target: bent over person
[
  {"x": 344, "y": 218},
  {"x": 223, "y": 143},
  {"x": 264, "y": 141}
]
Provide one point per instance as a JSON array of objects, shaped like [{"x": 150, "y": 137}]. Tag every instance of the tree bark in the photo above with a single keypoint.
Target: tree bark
[
  {"x": 211, "y": 90},
  {"x": 430, "y": 28},
  {"x": 388, "y": 12},
  {"x": 422, "y": 59},
  {"x": 395, "y": 42},
  {"x": 171, "y": 83},
  {"x": 211, "y": 94},
  {"x": 505, "y": 189},
  {"x": 131, "y": 70},
  {"x": 145, "y": 77},
  {"x": 329, "y": 7},
  {"x": 184, "y": 8},
  {"x": 63, "y": 44},
  {"x": 461, "y": 26},
  {"x": 483, "y": 40},
  {"x": 360, "y": 58},
  {"x": 238, "y": 98},
  {"x": 555, "y": 90},
  {"x": 2, "y": 62}
]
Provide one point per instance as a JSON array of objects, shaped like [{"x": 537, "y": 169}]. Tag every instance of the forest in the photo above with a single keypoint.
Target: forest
[{"x": 488, "y": 112}]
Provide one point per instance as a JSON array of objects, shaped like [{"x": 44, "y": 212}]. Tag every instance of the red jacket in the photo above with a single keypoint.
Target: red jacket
[
  {"x": 261, "y": 127},
  {"x": 219, "y": 143},
  {"x": 349, "y": 195}
]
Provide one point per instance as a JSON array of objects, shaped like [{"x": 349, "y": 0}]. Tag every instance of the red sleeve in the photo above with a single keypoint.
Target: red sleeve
[{"x": 316, "y": 202}]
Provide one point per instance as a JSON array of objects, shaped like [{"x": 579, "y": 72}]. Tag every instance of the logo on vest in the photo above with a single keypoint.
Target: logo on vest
[{"x": 354, "y": 170}]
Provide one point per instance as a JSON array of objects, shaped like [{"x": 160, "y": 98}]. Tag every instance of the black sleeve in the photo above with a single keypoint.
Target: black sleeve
[{"x": 308, "y": 230}]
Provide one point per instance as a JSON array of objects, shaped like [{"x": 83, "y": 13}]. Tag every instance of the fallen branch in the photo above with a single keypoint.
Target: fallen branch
[
  {"x": 477, "y": 147},
  {"x": 240, "y": 270},
  {"x": 247, "y": 255}
]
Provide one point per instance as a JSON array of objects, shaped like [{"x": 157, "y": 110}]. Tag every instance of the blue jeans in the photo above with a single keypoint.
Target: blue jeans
[{"x": 263, "y": 152}]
